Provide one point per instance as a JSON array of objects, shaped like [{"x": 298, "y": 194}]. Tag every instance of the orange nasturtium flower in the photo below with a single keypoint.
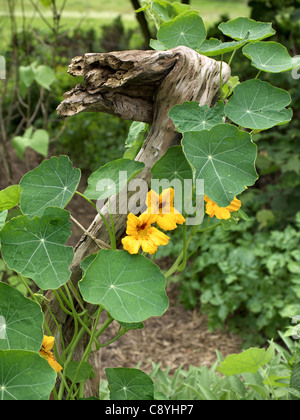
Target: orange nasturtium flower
[
  {"x": 142, "y": 234},
  {"x": 167, "y": 217},
  {"x": 212, "y": 209},
  {"x": 45, "y": 351}
]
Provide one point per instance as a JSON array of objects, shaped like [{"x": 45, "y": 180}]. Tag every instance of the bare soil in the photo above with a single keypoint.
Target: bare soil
[{"x": 178, "y": 338}]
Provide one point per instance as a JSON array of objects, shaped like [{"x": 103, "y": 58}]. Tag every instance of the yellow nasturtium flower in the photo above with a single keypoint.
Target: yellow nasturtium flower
[
  {"x": 45, "y": 351},
  {"x": 141, "y": 233},
  {"x": 162, "y": 206},
  {"x": 212, "y": 209}
]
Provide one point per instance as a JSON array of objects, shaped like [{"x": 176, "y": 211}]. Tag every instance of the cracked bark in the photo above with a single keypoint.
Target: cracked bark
[{"x": 140, "y": 86}]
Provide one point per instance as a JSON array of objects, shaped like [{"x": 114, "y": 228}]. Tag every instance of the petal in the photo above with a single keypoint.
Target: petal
[
  {"x": 148, "y": 219},
  {"x": 132, "y": 223},
  {"x": 158, "y": 237},
  {"x": 53, "y": 363},
  {"x": 48, "y": 343},
  {"x": 148, "y": 245},
  {"x": 179, "y": 218},
  {"x": 235, "y": 205},
  {"x": 222, "y": 213},
  {"x": 167, "y": 221},
  {"x": 211, "y": 208},
  {"x": 131, "y": 244},
  {"x": 166, "y": 199},
  {"x": 152, "y": 200}
]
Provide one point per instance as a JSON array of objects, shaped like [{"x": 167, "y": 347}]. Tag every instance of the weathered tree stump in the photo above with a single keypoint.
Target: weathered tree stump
[{"x": 139, "y": 86}]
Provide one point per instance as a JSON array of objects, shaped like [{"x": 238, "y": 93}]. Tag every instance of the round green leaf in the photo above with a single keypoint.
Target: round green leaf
[
  {"x": 186, "y": 29},
  {"x": 86, "y": 371},
  {"x": 270, "y": 57},
  {"x": 10, "y": 197},
  {"x": 36, "y": 247},
  {"x": 129, "y": 384},
  {"x": 39, "y": 142},
  {"x": 239, "y": 27},
  {"x": 25, "y": 375},
  {"x": 248, "y": 361},
  {"x": 172, "y": 165},
  {"x": 258, "y": 105},
  {"x": 224, "y": 157},
  {"x": 52, "y": 184},
  {"x": 191, "y": 117},
  {"x": 213, "y": 47},
  {"x": 111, "y": 178},
  {"x": 21, "y": 321},
  {"x": 130, "y": 287}
]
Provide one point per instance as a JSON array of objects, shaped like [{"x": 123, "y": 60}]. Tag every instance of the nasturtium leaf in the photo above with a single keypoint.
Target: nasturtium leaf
[
  {"x": 170, "y": 171},
  {"x": 191, "y": 117},
  {"x": 132, "y": 325},
  {"x": 36, "y": 247},
  {"x": 3, "y": 216},
  {"x": 213, "y": 47},
  {"x": 258, "y": 105},
  {"x": 129, "y": 384},
  {"x": 10, "y": 197},
  {"x": 52, "y": 184},
  {"x": 26, "y": 75},
  {"x": 136, "y": 131},
  {"x": 248, "y": 361},
  {"x": 85, "y": 372},
  {"x": 238, "y": 28},
  {"x": 22, "y": 321},
  {"x": 130, "y": 287},
  {"x": 224, "y": 157},
  {"x": 167, "y": 11},
  {"x": 38, "y": 141},
  {"x": 156, "y": 45},
  {"x": 172, "y": 165},
  {"x": 44, "y": 76},
  {"x": 111, "y": 178},
  {"x": 186, "y": 29},
  {"x": 25, "y": 375},
  {"x": 270, "y": 57}
]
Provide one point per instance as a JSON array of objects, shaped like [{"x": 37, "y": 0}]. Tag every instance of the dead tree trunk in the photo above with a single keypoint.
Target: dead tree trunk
[{"x": 139, "y": 86}]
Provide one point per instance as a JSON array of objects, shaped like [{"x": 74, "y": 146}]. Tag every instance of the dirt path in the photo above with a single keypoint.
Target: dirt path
[{"x": 178, "y": 338}]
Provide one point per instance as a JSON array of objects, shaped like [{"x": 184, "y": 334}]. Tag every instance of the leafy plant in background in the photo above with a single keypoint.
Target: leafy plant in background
[
  {"x": 246, "y": 278},
  {"x": 255, "y": 374},
  {"x": 33, "y": 244}
]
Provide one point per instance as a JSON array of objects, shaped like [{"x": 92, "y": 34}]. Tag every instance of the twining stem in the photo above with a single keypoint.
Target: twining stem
[
  {"x": 231, "y": 58},
  {"x": 86, "y": 352},
  {"x": 111, "y": 235},
  {"x": 101, "y": 244},
  {"x": 180, "y": 263},
  {"x": 180, "y": 256},
  {"x": 258, "y": 74},
  {"x": 202, "y": 237}
]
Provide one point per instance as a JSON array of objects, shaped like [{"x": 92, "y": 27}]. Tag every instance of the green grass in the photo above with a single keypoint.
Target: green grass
[{"x": 98, "y": 12}]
